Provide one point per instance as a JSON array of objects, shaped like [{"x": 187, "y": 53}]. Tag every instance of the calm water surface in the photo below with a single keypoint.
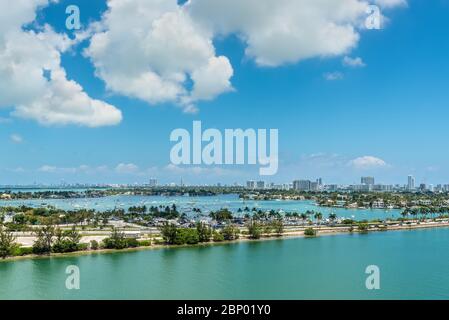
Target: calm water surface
[
  {"x": 413, "y": 264},
  {"x": 206, "y": 204}
]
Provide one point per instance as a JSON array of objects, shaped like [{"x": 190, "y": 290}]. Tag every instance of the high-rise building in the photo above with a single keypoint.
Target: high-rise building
[
  {"x": 251, "y": 184},
  {"x": 382, "y": 187},
  {"x": 410, "y": 183},
  {"x": 331, "y": 187},
  {"x": 301, "y": 185},
  {"x": 367, "y": 180},
  {"x": 260, "y": 185},
  {"x": 361, "y": 187},
  {"x": 153, "y": 182},
  {"x": 296, "y": 185}
]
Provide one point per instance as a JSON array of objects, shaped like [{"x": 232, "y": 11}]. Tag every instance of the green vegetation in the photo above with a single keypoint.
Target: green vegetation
[
  {"x": 230, "y": 232},
  {"x": 415, "y": 204},
  {"x": 168, "y": 232},
  {"x": 310, "y": 232},
  {"x": 66, "y": 241},
  {"x": 7, "y": 243},
  {"x": 204, "y": 232},
  {"x": 254, "y": 229},
  {"x": 221, "y": 215},
  {"x": 179, "y": 236},
  {"x": 94, "y": 245},
  {"x": 118, "y": 241},
  {"x": 50, "y": 239},
  {"x": 115, "y": 241},
  {"x": 318, "y": 216},
  {"x": 21, "y": 251},
  {"x": 332, "y": 217},
  {"x": 278, "y": 227},
  {"x": 362, "y": 227},
  {"x": 44, "y": 239},
  {"x": 217, "y": 236},
  {"x": 145, "y": 243},
  {"x": 186, "y": 236},
  {"x": 24, "y": 217}
]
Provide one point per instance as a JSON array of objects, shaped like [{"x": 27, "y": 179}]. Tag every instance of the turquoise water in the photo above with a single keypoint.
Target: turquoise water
[
  {"x": 413, "y": 264},
  {"x": 206, "y": 204}
]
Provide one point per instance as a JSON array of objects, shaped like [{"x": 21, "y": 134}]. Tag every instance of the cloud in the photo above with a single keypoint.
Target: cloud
[
  {"x": 206, "y": 171},
  {"x": 15, "y": 138},
  {"x": 322, "y": 160},
  {"x": 127, "y": 168},
  {"x": 32, "y": 80},
  {"x": 16, "y": 170},
  {"x": 356, "y": 62},
  {"x": 152, "y": 50},
  {"x": 160, "y": 51},
  {"x": 53, "y": 169},
  {"x": 390, "y": 3},
  {"x": 286, "y": 31},
  {"x": 333, "y": 76},
  {"x": 367, "y": 162},
  {"x": 132, "y": 170},
  {"x": 73, "y": 170},
  {"x": 122, "y": 168}
]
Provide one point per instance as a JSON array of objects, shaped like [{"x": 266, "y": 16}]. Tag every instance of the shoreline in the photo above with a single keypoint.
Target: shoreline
[{"x": 326, "y": 231}]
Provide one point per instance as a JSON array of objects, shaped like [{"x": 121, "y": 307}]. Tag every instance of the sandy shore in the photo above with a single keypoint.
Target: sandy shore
[{"x": 27, "y": 241}]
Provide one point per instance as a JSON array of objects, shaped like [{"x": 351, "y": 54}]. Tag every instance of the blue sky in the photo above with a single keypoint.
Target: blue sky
[{"x": 393, "y": 109}]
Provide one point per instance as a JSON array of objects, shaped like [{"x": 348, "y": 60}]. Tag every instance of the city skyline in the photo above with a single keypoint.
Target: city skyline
[{"x": 367, "y": 184}]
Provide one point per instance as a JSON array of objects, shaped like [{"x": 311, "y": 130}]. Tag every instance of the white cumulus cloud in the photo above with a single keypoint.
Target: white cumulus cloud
[
  {"x": 390, "y": 3},
  {"x": 126, "y": 168},
  {"x": 367, "y": 162},
  {"x": 85, "y": 169},
  {"x": 151, "y": 50},
  {"x": 285, "y": 31},
  {"x": 333, "y": 76},
  {"x": 160, "y": 51},
  {"x": 16, "y": 138},
  {"x": 356, "y": 62},
  {"x": 32, "y": 80}
]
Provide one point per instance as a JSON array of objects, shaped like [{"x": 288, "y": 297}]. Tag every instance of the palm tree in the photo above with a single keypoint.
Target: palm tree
[
  {"x": 318, "y": 216},
  {"x": 423, "y": 211},
  {"x": 442, "y": 210},
  {"x": 405, "y": 213},
  {"x": 303, "y": 217},
  {"x": 414, "y": 212}
]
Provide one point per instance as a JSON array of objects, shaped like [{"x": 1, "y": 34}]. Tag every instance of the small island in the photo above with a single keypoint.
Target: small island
[{"x": 48, "y": 231}]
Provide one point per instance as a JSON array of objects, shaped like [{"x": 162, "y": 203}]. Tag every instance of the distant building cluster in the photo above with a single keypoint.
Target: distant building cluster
[
  {"x": 307, "y": 185},
  {"x": 153, "y": 183},
  {"x": 300, "y": 185},
  {"x": 367, "y": 184}
]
